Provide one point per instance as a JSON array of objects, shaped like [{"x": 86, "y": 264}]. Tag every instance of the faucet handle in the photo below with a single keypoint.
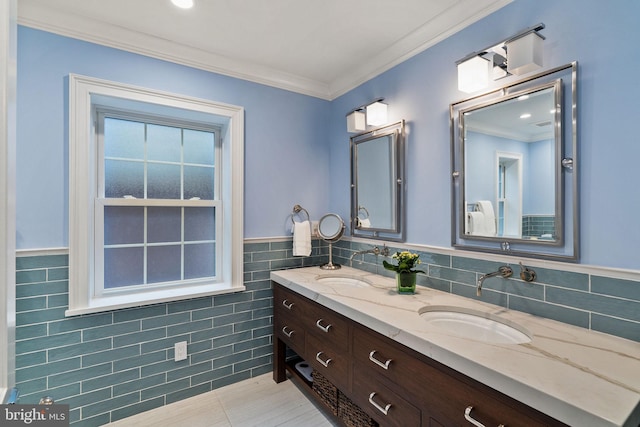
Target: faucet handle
[
  {"x": 505, "y": 271},
  {"x": 527, "y": 274}
]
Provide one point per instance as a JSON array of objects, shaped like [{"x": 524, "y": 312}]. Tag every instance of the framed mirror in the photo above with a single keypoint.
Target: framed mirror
[
  {"x": 514, "y": 170},
  {"x": 377, "y": 183}
]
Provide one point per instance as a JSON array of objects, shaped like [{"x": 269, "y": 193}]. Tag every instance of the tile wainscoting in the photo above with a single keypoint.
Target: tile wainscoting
[
  {"x": 578, "y": 295},
  {"x": 112, "y": 365}
]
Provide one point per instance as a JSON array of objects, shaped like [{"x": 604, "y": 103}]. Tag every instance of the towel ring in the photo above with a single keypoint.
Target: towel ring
[
  {"x": 296, "y": 211},
  {"x": 362, "y": 208}
]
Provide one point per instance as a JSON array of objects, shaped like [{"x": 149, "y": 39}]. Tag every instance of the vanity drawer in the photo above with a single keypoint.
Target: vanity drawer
[
  {"x": 446, "y": 398},
  {"x": 383, "y": 404},
  {"x": 440, "y": 392},
  {"x": 329, "y": 326},
  {"x": 285, "y": 301},
  {"x": 386, "y": 358},
  {"x": 290, "y": 330},
  {"x": 329, "y": 361}
]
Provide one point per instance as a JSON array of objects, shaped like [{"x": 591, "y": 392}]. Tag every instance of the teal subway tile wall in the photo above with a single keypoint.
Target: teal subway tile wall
[
  {"x": 111, "y": 365},
  {"x": 595, "y": 302}
]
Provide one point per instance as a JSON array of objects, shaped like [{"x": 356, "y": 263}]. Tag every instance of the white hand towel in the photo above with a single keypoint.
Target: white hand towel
[
  {"x": 475, "y": 223},
  {"x": 301, "y": 238},
  {"x": 486, "y": 208}
]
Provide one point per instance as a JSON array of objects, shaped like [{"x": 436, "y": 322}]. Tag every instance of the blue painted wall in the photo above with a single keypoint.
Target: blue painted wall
[
  {"x": 286, "y": 160},
  {"x": 602, "y": 37},
  {"x": 297, "y": 146}
]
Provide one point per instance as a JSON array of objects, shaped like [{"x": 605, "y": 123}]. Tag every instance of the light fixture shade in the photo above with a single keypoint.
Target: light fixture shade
[
  {"x": 473, "y": 74},
  {"x": 376, "y": 113},
  {"x": 524, "y": 54},
  {"x": 355, "y": 122}
]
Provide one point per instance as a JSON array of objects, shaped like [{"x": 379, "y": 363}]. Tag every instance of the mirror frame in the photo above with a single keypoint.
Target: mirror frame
[
  {"x": 331, "y": 238},
  {"x": 566, "y": 245},
  {"x": 396, "y": 232}
]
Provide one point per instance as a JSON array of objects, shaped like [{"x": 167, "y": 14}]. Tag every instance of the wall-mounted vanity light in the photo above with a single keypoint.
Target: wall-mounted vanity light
[
  {"x": 356, "y": 121},
  {"x": 373, "y": 114},
  {"x": 518, "y": 54},
  {"x": 376, "y": 113}
]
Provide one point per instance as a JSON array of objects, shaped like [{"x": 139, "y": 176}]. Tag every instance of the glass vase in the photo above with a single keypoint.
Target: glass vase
[{"x": 406, "y": 283}]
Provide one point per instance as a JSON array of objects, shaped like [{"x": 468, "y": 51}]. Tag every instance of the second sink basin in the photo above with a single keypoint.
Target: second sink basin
[
  {"x": 475, "y": 325},
  {"x": 343, "y": 280}
]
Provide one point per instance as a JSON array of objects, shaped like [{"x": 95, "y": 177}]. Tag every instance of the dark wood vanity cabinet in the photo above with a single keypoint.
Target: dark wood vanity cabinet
[
  {"x": 315, "y": 333},
  {"x": 395, "y": 385}
]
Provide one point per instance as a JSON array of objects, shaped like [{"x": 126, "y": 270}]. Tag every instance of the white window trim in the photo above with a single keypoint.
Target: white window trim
[{"x": 83, "y": 91}]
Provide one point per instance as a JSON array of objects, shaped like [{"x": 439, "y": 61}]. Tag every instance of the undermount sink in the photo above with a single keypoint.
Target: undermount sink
[
  {"x": 343, "y": 280},
  {"x": 475, "y": 325}
]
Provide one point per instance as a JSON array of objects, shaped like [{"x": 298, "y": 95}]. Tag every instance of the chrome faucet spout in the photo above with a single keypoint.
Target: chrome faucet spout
[
  {"x": 375, "y": 250},
  {"x": 504, "y": 271}
]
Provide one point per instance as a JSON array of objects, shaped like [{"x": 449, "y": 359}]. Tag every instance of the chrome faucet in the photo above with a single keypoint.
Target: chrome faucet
[
  {"x": 504, "y": 271},
  {"x": 375, "y": 250}
]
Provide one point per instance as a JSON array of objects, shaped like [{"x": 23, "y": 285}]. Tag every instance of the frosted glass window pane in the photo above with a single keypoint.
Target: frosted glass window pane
[
  {"x": 123, "y": 138},
  {"x": 198, "y": 182},
  {"x": 163, "y": 143},
  {"x": 123, "y": 178},
  {"x": 163, "y": 224},
  {"x": 199, "y": 261},
  {"x": 163, "y": 263},
  {"x": 199, "y": 224},
  {"x": 123, "y": 267},
  {"x": 198, "y": 147},
  {"x": 123, "y": 225},
  {"x": 163, "y": 181}
]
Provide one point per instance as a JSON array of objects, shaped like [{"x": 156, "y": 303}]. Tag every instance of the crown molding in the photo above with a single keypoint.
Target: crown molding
[
  {"x": 74, "y": 26},
  {"x": 426, "y": 36}
]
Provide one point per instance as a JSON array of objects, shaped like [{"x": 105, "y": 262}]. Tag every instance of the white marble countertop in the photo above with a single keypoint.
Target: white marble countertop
[{"x": 580, "y": 377}]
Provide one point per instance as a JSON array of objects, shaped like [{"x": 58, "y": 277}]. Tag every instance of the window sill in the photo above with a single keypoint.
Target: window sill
[{"x": 128, "y": 300}]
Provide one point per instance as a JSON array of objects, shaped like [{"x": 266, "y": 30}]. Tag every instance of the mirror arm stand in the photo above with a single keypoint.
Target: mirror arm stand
[{"x": 330, "y": 265}]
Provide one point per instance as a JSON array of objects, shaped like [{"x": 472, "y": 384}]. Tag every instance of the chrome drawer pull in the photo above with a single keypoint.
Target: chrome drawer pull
[
  {"x": 322, "y": 362},
  {"x": 288, "y": 305},
  {"x": 284, "y": 331},
  {"x": 384, "y": 410},
  {"x": 467, "y": 416},
  {"x": 324, "y": 328},
  {"x": 383, "y": 365}
]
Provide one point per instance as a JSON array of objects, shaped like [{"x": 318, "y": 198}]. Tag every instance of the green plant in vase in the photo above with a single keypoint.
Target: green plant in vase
[{"x": 405, "y": 269}]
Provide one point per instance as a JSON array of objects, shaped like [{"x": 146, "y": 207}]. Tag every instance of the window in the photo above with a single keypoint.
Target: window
[{"x": 155, "y": 196}]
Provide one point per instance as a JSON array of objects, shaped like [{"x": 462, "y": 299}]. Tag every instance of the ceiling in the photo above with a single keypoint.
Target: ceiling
[{"x": 321, "y": 48}]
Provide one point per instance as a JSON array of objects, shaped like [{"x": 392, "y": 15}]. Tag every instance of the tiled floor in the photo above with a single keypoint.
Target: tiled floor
[{"x": 254, "y": 402}]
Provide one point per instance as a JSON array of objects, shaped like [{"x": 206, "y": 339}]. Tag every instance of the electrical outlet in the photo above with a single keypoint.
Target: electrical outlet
[{"x": 180, "y": 350}]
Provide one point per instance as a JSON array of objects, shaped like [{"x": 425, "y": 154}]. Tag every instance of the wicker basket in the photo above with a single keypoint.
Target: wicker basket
[
  {"x": 351, "y": 414},
  {"x": 328, "y": 392}
]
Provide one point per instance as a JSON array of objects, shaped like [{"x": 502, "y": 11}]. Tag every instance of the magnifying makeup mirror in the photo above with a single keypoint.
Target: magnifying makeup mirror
[{"x": 330, "y": 229}]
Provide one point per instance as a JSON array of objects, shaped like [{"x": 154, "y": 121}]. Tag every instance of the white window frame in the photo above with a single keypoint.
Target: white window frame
[{"x": 85, "y": 93}]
